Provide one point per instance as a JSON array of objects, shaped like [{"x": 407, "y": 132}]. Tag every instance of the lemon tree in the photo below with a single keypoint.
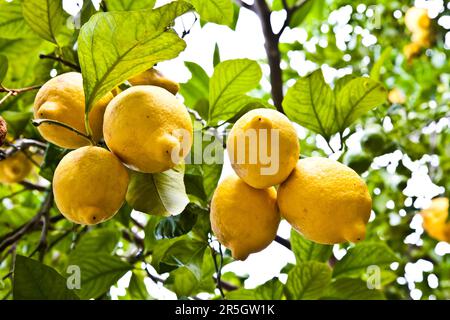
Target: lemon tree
[{"x": 114, "y": 174}]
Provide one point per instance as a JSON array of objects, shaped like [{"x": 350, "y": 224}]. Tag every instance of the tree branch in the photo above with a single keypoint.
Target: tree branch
[
  {"x": 61, "y": 60},
  {"x": 245, "y": 5},
  {"x": 17, "y": 234},
  {"x": 284, "y": 242},
  {"x": 272, "y": 52}
]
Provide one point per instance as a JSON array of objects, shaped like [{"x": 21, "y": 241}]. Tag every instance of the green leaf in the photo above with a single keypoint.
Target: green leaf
[
  {"x": 357, "y": 97},
  {"x": 36, "y": 281},
  {"x": 186, "y": 252},
  {"x": 307, "y": 281},
  {"x": 363, "y": 255},
  {"x": 45, "y": 17},
  {"x": 311, "y": 9},
  {"x": 228, "y": 85},
  {"x": 196, "y": 91},
  {"x": 3, "y": 67},
  {"x": 182, "y": 281},
  {"x": 114, "y": 46},
  {"x": 310, "y": 103},
  {"x": 137, "y": 289},
  {"x": 124, "y": 214},
  {"x": 351, "y": 289},
  {"x": 161, "y": 194},
  {"x": 305, "y": 250},
  {"x": 52, "y": 157},
  {"x": 376, "y": 69},
  {"x": 129, "y": 5},
  {"x": 216, "y": 58},
  {"x": 96, "y": 241},
  {"x": 271, "y": 290},
  {"x": 241, "y": 294},
  {"x": 176, "y": 226},
  {"x": 99, "y": 271},
  {"x": 216, "y": 11},
  {"x": 12, "y": 23}
]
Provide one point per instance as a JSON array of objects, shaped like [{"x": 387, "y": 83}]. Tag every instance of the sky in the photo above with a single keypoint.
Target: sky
[{"x": 248, "y": 42}]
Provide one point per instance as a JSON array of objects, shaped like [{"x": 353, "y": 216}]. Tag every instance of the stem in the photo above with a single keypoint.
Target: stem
[
  {"x": 61, "y": 60},
  {"x": 37, "y": 123},
  {"x": 284, "y": 242},
  {"x": 218, "y": 271},
  {"x": 272, "y": 52}
]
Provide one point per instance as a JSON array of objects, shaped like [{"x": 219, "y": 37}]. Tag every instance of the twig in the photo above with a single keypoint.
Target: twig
[
  {"x": 152, "y": 277},
  {"x": 218, "y": 271},
  {"x": 245, "y": 5},
  {"x": 20, "y": 145},
  {"x": 31, "y": 186},
  {"x": 17, "y": 234},
  {"x": 61, "y": 60},
  {"x": 285, "y": 243},
  {"x": 39, "y": 122},
  {"x": 15, "y": 92}
]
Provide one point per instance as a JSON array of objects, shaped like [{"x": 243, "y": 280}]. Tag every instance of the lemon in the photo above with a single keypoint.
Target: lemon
[
  {"x": 423, "y": 38},
  {"x": 155, "y": 78},
  {"x": 411, "y": 50},
  {"x": 263, "y": 148},
  {"x": 360, "y": 162},
  {"x": 148, "y": 129},
  {"x": 90, "y": 185},
  {"x": 62, "y": 99},
  {"x": 15, "y": 168},
  {"x": 417, "y": 19},
  {"x": 244, "y": 219},
  {"x": 396, "y": 96},
  {"x": 435, "y": 219},
  {"x": 325, "y": 201}
]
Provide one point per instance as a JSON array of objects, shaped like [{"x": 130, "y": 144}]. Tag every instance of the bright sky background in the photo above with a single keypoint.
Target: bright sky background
[{"x": 247, "y": 42}]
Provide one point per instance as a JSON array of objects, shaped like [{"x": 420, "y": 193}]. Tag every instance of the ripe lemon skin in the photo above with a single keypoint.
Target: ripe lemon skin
[
  {"x": 434, "y": 219},
  {"x": 417, "y": 19},
  {"x": 90, "y": 185},
  {"x": 244, "y": 219},
  {"x": 155, "y": 78},
  {"x": 325, "y": 201},
  {"x": 141, "y": 125},
  {"x": 62, "y": 99},
  {"x": 15, "y": 168},
  {"x": 288, "y": 147}
]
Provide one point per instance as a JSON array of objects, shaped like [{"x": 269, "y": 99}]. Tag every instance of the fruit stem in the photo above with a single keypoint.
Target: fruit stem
[
  {"x": 88, "y": 127},
  {"x": 37, "y": 123}
]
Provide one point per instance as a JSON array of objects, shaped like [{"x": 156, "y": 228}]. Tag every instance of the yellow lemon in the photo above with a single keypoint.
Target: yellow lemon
[
  {"x": 244, "y": 219},
  {"x": 326, "y": 201},
  {"x": 423, "y": 38},
  {"x": 396, "y": 96},
  {"x": 411, "y": 50},
  {"x": 263, "y": 148},
  {"x": 148, "y": 129},
  {"x": 90, "y": 185},
  {"x": 15, "y": 168},
  {"x": 62, "y": 99},
  {"x": 155, "y": 78},
  {"x": 417, "y": 19},
  {"x": 434, "y": 219}
]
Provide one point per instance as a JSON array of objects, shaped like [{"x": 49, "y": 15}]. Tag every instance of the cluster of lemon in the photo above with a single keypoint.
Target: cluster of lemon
[
  {"x": 435, "y": 219},
  {"x": 90, "y": 183},
  {"x": 321, "y": 198},
  {"x": 419, "y": 24}
]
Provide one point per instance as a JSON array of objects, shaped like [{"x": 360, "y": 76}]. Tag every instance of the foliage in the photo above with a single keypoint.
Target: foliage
[{"x": 337, "y": 95}]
